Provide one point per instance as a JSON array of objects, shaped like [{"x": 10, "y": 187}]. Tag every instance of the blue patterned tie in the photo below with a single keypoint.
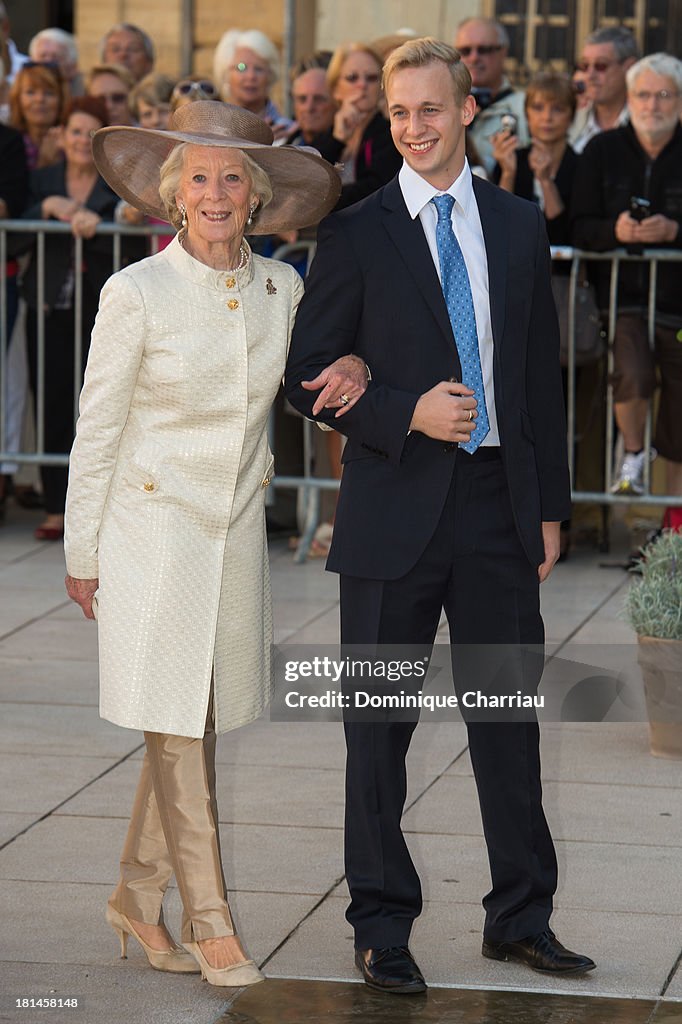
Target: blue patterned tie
[{"x": 458, "y": 298}]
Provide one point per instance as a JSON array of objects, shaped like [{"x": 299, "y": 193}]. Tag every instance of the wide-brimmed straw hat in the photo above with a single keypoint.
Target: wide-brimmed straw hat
[{"x": 305, "y": 187}]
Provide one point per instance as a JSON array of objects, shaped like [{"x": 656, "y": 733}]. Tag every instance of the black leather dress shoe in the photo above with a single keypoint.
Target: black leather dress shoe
[
  {"x": 390, "y": 970},
  {"x": 542, "y": 953}
]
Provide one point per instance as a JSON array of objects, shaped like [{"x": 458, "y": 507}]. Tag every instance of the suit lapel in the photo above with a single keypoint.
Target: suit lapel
[
  {"x": 495, "y": 236},
  {"x": 408, "y": 237}
]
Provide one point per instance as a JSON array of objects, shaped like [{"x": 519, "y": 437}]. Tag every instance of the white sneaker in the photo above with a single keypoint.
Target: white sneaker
[{"x": 630, "y": 476}]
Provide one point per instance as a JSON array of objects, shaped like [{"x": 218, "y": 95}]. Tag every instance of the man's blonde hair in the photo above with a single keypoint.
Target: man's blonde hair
[{"x": 417, "y": 53}]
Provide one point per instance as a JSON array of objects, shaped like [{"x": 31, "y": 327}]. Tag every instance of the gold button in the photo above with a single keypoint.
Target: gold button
[
  {"x": 149, "y": 486},
  {"x": 233, "y": 304},
  {"x": 230, "y": 282}
]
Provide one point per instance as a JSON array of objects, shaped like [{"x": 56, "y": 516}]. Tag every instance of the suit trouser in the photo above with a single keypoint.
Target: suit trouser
[
  {"x": 174, "y": 830},
  {"x": 475, "y": 568}
]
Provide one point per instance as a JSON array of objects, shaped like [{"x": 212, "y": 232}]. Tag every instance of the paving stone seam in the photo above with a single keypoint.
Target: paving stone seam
[
  {"x": 64, "y": 801},
  {"x": 673, "y": 971},
  {"x": 38, "y": 618},
  {"x": 593, "y": 612},
  {"x": 31, "y": 553}
]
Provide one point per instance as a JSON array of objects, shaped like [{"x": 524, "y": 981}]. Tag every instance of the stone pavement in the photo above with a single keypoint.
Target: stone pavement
[{"x": 66, "y": 786}]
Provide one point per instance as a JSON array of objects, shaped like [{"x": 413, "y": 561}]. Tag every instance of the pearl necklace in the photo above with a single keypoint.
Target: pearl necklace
[{"x": 243, "y": 260}]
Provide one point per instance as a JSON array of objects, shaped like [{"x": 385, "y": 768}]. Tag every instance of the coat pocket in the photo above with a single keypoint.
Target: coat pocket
[
  {"x": 144, "y": 469},
  {"x": 270, "y": 469}
]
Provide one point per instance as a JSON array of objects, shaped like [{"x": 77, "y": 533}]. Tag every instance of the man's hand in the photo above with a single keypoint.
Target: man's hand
[
  {"x": 552, "y": 541},
  {"x": 650, "y": 231},
  {"x": 343, "y": 382},
  {"x": 626, "y": 228},
  {"x": 82, "y": 592},
  {"x": 655, "y": 229},
  {"x": 446, "y": 412}
]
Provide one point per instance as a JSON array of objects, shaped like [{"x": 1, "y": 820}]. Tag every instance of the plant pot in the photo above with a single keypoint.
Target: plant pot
[{"x": 661, "y": 664}]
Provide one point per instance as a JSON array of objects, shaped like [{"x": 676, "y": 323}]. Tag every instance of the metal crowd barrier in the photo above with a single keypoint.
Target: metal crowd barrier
[
  {"x": 310, "y": 484},
  {"x": 617, "y": 257}
]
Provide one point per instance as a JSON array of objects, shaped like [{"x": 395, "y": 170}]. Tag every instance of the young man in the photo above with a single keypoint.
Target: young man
[{"x": 454, "y": 486}]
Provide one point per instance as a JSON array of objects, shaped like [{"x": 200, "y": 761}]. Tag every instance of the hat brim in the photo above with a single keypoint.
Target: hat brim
[{"x": 305, "y": 187}]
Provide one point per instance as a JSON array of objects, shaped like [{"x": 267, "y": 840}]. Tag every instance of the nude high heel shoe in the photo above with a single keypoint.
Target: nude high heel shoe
[
  {"x": 176, "y": 960},
  {"x": 234, "y": 976}
]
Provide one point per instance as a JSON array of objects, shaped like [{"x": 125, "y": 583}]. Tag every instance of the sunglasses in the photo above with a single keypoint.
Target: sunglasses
[
  {"x": 205, "y": 88},
  {"x": 600, "y": 66},
  {"x": 51, "y": 65},
  {"x": 482, "y": 51},
  {"x": 372, "y": 77},
  {"x": 113, "y": 97}
]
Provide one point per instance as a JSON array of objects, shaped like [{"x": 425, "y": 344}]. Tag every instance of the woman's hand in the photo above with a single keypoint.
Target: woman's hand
[
  {"x": 343, "y": 382},
  {"x": 51, "y": 146},
  {"x": 84, "y": 223},
  {"x": 346, "y": 120},
  {"x": 504, "y": 151},
  {"x": 59, "y": 208},
  {"x": 540, "y": 162},
  {"x": 82, "y": 592}
]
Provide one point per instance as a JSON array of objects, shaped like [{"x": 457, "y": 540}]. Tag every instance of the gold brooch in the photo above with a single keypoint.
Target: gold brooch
[{"x": 270, "y": 288}]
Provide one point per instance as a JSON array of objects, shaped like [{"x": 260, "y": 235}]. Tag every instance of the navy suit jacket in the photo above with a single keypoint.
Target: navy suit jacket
[{"x": 373, "y": 290}]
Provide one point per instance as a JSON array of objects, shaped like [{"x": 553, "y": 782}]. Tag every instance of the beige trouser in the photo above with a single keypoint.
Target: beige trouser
[{"x": 174, "y": 830}]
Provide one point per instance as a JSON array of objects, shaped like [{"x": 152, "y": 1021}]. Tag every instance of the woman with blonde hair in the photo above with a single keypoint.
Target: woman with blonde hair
[{"x": 360, "y": 138}]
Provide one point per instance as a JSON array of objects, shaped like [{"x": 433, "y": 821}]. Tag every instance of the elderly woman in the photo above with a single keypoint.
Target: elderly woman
[
  {"x": 360, "y": 137},
  {"x": 245, "y": 67},
  {"x": 165, "y": 527}
]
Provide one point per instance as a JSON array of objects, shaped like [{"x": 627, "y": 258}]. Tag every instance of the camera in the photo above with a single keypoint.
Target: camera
[
  {"x": 509, "y": 123},
  {"x": 640, "y": 208}
]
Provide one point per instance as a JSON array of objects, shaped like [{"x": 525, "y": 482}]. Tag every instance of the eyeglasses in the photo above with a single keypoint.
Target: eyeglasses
[
  {"x": 204, "y": 88},
  {"x": 371, "y": 77},
  {"x": 257, "y": 69},
  {"x": 600, "y": 66},
  {"x": 51, "y": 65},
  {"x": 663, "y": 95},
  {"x": 482, "y": 51}
]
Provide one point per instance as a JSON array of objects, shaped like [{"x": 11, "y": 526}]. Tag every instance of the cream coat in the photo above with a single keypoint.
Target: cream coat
[{"x": 167, "y": 483}]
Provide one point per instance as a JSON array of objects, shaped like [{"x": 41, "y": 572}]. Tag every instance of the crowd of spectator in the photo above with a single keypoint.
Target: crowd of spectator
[{"x": 600, "y": 152}]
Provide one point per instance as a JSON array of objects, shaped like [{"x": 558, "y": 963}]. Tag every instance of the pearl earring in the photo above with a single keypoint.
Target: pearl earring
[{"x": 252, "y": 210}]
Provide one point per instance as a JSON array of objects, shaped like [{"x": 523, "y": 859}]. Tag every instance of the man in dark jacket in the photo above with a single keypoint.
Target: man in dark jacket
[{"x": 628, "y": 192}]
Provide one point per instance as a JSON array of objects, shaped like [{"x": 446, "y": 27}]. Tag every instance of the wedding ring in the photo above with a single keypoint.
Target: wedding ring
[
  {"x": 471, "y": 415},
  {"x": 345, "y": 399}
]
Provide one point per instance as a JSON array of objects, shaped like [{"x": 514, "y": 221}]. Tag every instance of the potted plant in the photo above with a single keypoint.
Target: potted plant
[{"x": 654, "y": 608}]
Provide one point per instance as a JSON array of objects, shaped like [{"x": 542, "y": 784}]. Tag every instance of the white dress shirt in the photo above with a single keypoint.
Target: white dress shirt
[{"x": 466, "y": 224}]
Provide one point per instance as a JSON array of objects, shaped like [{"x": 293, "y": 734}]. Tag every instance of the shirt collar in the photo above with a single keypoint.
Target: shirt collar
[{"x": 417, "y": 192}]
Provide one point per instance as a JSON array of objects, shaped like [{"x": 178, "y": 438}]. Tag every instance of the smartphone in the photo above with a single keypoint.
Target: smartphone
[
  {"x": 509, "y": 123},
  {"x": 640, "y": 208}
]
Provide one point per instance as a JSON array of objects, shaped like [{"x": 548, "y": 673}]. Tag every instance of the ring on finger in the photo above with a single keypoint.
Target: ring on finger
[
  {"x": 345, "y": 399},
  {"x": 471, "y": 415}
]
